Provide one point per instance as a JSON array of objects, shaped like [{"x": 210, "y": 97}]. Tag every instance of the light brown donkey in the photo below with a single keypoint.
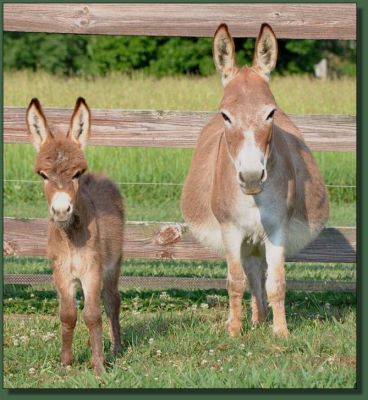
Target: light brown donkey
[
  {"x": 253, "y": 191},
  {"x": 85, "y": 229}
]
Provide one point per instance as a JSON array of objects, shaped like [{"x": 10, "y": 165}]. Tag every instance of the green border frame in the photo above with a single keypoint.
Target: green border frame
[{"x": 362, "y": 298}]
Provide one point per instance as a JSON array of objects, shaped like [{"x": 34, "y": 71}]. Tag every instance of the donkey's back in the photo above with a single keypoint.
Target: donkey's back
[{"x": 107, "y": 207}]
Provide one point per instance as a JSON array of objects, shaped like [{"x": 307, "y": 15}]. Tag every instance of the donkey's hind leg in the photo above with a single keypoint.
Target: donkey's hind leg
[
  {"x": 255, "y": 269},
  {"x": 111, "y": 300}
]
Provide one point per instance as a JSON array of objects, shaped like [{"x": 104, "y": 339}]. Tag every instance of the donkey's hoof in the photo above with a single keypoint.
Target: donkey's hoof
[
  {"x": 98, "y": 367},
  {"x": 281, "y": 332},
  {"x": 66, "y": 360},
  {"x": 116, "y": 349},
  {"x": 233, "y": 327}
]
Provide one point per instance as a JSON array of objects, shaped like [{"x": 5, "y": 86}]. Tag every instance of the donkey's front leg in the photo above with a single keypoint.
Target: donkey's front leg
[
  {"x": 91, "y": 285},
  {"x": 236, "y": 280},
  {"x": 68, "y": 314},
  {"x": 275, "y": 283}
]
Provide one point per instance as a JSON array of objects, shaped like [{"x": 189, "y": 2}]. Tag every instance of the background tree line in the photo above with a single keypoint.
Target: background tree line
[{"x": 93, "y": 55}]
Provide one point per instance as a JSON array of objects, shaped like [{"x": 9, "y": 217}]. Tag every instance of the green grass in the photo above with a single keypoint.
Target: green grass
[
  {"x": 184, "y": 268},
  {"x": 142, "y": 171},
  {"x": 190, "y": 348},
  {"x": 294, "y": 94}
]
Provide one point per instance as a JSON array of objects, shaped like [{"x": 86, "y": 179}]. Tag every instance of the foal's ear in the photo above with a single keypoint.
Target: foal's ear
[
  {"x": 265, "y": 54},
  {"x": 38, "y": 129},
  {"x": 80, "y": 123},
  {"x": 223, "y": 50}
]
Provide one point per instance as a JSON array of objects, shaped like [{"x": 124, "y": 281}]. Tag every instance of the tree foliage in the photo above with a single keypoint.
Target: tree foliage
[{"x": 91, "y": 55}]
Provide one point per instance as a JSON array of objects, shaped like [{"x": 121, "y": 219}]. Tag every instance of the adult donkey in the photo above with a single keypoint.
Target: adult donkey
[{"x": 253, "y": 191}]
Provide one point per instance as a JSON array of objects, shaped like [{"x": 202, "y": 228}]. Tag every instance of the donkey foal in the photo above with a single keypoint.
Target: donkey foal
[{"x": 85, "y": 229}]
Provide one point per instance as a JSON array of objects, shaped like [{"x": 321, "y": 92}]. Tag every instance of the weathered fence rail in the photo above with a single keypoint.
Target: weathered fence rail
[
  {"x": 180, "y": 128},
  {"x": 156, "y": 240},
  {"x": 113, "y": 127},
  {"x": 313, "y": 21}
]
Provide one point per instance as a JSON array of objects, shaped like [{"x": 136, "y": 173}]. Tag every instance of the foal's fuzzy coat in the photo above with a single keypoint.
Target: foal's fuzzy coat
[{"x": 85, "y": 229}]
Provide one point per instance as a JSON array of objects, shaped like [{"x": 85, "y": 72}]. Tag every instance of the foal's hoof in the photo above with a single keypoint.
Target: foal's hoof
[
  {"x": 98, "y": 367},
  {"x": 233, "y": 327},
  {"x": 116, "y": 349},
  {"x": 66, "y": 360}
]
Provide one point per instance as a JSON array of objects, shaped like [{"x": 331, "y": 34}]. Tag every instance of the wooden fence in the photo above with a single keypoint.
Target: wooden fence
[{"x": 156, "y": 128}]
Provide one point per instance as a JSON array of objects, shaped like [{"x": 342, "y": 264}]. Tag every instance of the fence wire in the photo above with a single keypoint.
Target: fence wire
[{"x": 155, "y": 183}]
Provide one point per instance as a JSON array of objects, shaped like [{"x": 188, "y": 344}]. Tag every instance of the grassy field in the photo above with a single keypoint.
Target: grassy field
[
  {"x": 171, "y": 348},
  {"x": 189, "y": 347},
  {"x": 295, "y": 94},
  {"x": 181, "y": 337}
]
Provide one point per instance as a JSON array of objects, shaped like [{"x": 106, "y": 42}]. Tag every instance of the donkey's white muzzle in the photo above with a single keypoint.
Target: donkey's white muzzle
[
  {"x": 251, "y": 182},
  {"x": 61, "y": 208}
]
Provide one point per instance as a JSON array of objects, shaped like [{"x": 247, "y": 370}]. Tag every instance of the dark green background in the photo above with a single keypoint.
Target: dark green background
[{"x": 362, "y": 168}]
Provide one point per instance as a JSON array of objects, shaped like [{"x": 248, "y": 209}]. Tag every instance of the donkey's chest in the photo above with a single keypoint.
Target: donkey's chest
[
  {"x": 249, "y": 222},
  {"x": 254, "y": 220},
  {"x": 76, "y": 263}
]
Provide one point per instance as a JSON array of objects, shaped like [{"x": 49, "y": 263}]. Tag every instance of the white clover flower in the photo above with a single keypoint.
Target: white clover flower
[
  {"x": 49, "y": 336},
  {"x": 32, "y": 371},
  {"x": 204, "y": 305},
  {"x": 150, "y": 340},
  {"x": 164, "y": 296},
  {"x": 158, "y": 352},
  {"x": 24, "y": 339}
]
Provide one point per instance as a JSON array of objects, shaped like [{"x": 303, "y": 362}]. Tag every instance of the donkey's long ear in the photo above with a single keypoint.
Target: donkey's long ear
[
  {"x": 38, "y": 129},
  {"x": 80, "y": 123},
  {"x": 223, "y": 50},
  {"x": 265, "y": 54}
]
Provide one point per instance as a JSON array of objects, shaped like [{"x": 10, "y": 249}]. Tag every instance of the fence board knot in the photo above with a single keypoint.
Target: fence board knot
[
  {"x": 84, "y": 16},
  {"x": 169, "y": 234},
  {"x": 9, "y": 248}
]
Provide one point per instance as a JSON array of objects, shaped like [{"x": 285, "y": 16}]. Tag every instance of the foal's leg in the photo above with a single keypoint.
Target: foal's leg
[
  {"x": 91, "y": 284},
  {"x": 111, "y": 299},
  {"x": 276, "y": 284},
  {"x": 65, "y": 287},
  {"x": 236, "y": 280},
  {"x": 255, "y": 271}
]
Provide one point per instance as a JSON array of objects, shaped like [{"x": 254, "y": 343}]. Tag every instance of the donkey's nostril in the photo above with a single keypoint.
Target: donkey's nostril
[
  {"x": 68, "y": 209},
  {"x": 241, "y": 177},
  {"x": 53, "y": 210},
  {"x": 263, "y": 174}
]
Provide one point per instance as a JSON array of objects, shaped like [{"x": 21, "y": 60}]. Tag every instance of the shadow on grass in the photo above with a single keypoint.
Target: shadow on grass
[{"x": 308, "y": 305}]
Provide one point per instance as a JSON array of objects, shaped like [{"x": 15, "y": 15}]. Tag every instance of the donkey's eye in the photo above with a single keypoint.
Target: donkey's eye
[
  {"x": 78, "y": 174},
  {"x": 43, "y": 175},
  {"x": 271, "y": 114},
  {"x": 226, "y": 117}
]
